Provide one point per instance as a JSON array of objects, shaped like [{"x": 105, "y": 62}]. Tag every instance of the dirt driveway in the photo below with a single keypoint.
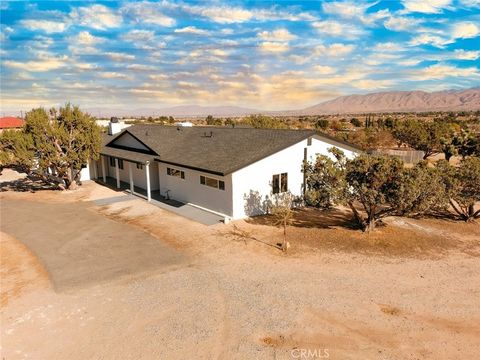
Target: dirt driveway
[
  {"x": 78, "y": 247},
  {"x": 231, "y": 297}
]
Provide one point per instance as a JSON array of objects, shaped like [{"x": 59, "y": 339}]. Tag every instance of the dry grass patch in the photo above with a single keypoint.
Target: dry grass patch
[{"x": 334, "y": 230}]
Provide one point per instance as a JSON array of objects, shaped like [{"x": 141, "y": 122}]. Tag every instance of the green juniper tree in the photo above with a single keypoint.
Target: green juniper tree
[
  {"x": 424, "y": 136},
  {"x": 16, "y": 149},
  {"x": 64, "y": 141}
]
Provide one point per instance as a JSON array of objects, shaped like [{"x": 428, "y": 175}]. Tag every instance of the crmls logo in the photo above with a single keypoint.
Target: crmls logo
[{"x": 310, "y": 354}]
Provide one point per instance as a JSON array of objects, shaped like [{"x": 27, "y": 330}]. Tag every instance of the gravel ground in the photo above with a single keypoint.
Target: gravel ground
[{"x": 247, "y": 301}]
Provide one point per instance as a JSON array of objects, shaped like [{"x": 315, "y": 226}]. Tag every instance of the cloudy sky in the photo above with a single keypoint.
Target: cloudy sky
[{"x": 263, "y": 54}]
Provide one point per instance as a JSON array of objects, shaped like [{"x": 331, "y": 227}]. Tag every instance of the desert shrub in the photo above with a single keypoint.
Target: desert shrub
[
  {"x": 322, "y": 124},
  {"x": 374, "y": 187},
  {"x": 264, "y": 122},
  {"x": 421, "y": 191},
  {"x": 462, "y": 186},
  {"x": 325, "y": 180}
]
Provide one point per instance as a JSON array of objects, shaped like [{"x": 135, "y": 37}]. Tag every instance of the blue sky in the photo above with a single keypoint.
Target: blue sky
[{"x": 261, "y": 54}]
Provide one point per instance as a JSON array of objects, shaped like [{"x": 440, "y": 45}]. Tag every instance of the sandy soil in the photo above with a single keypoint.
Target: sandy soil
[{"x": 410, "y": 291}]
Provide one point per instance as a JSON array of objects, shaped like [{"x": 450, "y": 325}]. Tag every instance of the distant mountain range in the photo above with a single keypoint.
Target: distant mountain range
[
  {"x": 400, "y": 101},
  {"x": 392, "y": 101}
]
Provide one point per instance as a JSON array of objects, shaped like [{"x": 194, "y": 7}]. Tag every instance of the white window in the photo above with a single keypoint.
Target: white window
[
  {"x": 176, "y": 173},
  {"x": 112, "y": 162},
  {"x": 280, "y": 183},
  {"x": 215, "y": 183}
]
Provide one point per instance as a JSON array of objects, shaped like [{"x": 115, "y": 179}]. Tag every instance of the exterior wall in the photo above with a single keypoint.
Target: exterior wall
[
  {"x": 87, "y": 173},
  {"x": 252, "y": 185},
  {"x": 189, "y": 190}
]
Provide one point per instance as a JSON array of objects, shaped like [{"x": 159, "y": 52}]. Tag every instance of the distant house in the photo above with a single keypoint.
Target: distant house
[
  {"x": 10, "y": 122},
  {"x": 184, "y": 123},
  {"x": 229, "y": 171}
]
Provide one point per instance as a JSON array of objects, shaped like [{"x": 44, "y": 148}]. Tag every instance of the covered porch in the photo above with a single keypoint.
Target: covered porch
[
  {"x": 185, "y": 210},
  {"x": 126, "y": 170}
]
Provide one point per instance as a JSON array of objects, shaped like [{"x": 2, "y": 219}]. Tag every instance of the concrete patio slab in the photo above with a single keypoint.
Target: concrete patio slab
[{"x": 186, "y": 210}]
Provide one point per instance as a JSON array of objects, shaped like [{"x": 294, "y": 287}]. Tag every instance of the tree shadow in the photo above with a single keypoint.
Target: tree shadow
[
  {"x": 30, "y": 183},
  {"x": 256, "y": 204},
  {"x": 308, "y": 217}
]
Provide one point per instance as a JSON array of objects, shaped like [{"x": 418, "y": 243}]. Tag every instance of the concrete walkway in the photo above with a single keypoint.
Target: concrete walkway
[
  {"x": 186, "y": 210},
  {"x": 190, "y": 212},
  {"x": 79, "y": 247}
]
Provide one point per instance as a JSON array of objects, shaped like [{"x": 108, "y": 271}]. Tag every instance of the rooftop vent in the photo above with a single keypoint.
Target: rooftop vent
[
  {"x": 114, "y": 119},
  {"x": 208, "y": 135}
]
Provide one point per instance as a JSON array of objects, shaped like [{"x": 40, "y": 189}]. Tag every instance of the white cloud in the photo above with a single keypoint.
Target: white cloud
[
  {"x": 112, "y": 75},
  {"x": 401, "y": 23},
  {"x": 276, "y": 41},
  {"x": 465, "y": 30},
  {"x": 440, "y": 38},
  {"x": 324, "y": 70},
  {"x": 139, "y": 35},
  {"x": 235, "y": 14},
  {"x": 140, "y": 67},
  {"x": 426, "y": 6},
  {"x": 334, "y": 50},
  {"x": 96, "y": 16},
  {"x": 388, "y": 47},
  {"x": 219, "y": 52},
  {"x": 274, "y": 47},
  {"x": 192, "y": 30},
  {"x": 461, "y": 54},
  {"x": 354, "y": 10},
  {"x": 276, "y": 35},
  {"x": 339, "y": 29},
  {"x": 470, "y": 3},
  {"x": 119, "y": 56},
  {"x": 85, "y": 66},
  {"x": 346, "y": 9},
  {"x": 409, "y": 62},
  {"x": 85, "y": 38},
  {"x": 224, "y": 14},
  {"x": 40, "y": 65},
  {"x": 147, "y": 12},
  {"x": 45, "y": 25},
  {"x": 442, "y": 71},
  {"x": 428, "y": 39}
]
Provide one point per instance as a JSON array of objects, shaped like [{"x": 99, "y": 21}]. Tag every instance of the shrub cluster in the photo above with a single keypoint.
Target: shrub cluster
[{"x": 378, "y": 186}]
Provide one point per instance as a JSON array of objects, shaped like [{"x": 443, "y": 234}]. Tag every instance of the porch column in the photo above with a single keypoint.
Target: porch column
[
  {"x": 117, "y": 173},
  {"x": 159, "y": 177},
  {"x": 130, "y": 175},
  {"x": 147, "y": 170},
  {"x": 104, "y": 175}
]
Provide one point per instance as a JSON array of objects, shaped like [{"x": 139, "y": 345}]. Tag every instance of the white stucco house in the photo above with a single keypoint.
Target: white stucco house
[{"x": 225, "y": 170}]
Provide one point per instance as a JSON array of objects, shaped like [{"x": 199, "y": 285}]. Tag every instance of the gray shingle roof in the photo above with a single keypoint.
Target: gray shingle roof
[{"x": 218, "y": 150}]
